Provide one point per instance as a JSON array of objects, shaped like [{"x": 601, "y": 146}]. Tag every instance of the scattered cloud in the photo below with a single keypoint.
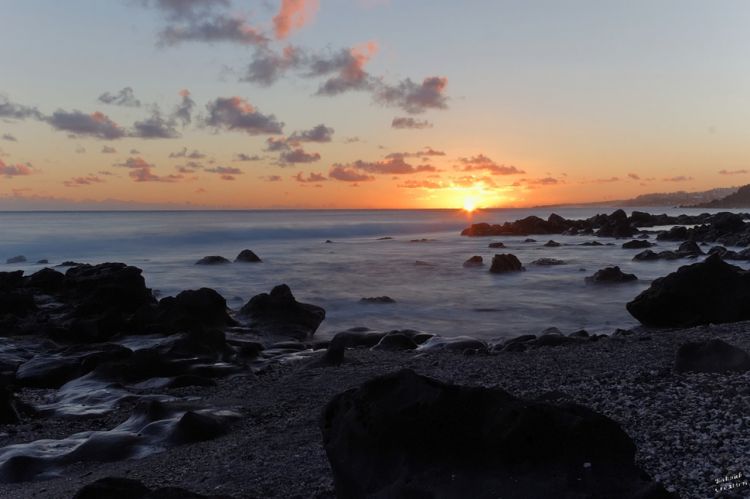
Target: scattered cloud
[
  {"x": 267, "y": 66},
  {"x": 733, "y": 172},
  {"x": 389, "y": 166},
  {"x": 347, "y": 68},
  {"x": 155, "y": 127},
  {"x": 298, "y": 155},
  {"x": 184, "y": 110},
  {"x": 15, "y": 111},
  {"x": 678, "y": 178},
  {"x": 271, "y": 178},
  {"x": 17, "y": 170},
  {"x": 235, "y": 113},
  {"x": 79, "y": 181},
  {"x": 293, "y": 15},
  {"x": 9, "y": 137},
  {"x": 108, "y": 150},
  {"x": 240, "y": 156},
  {"x": 124, "y": 97},
  {"x": 410, "y": 123},
  {"x": 96, "y": 125},
  {"x": 224, "y": 170},
  {"x": 311, "y": 178},
  {"x": 184, "y": 153},
  {"x": 348, "y": 174},
  {"x": 634, "y": 176},
  {"x": 483, "y": 163},
  {"x": 319, "y": 133},
  {"x": 189, "y": 167},
  {"x": 420, "y": 184},
  {"x": 415, "y": 98}
]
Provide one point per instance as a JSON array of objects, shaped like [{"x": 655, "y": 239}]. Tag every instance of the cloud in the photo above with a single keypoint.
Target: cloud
[
  {"x": 9, "y": 137},
  {"x": 184, "y": 110},
  {"x": 97, "y": 125},
  {"x": 224, "y": 170},
  {"x": 634, "y": 176},
  {"x": 135, "y": 151},
  {"x": 348, "y": 67},
  {"x": 240, "y": 156},
  {"x": 271, "y": 178},
  {"x": 186, "y": 9},
  {"x": 319, "y": 133},
  {"x": 134, "y": 162},
  {"x": 415, "y": 98},
  {"x": 17, "y": 170},
  {"x": 733, "y": 172},
  {"x": 311, "y": 178},
  {"x": 542, "y": 181},
  {"x": 195, "y": 154},
  {"x": 410, "y": 123},
  {"x": 235, "y": 113},
  {"x": 124, "y": 97},
  {"x": 293, "y": 15},
  {"x": 267, "y": 66},
  {"x": 472, "y": 181},
  {"x": 347, "y": 174},
  {"x": 80, "y": 149},
  {"x": 189, "y": 167},
  {"x": 277, "y": 145},
  {"x": 219, "y": 28},
  {"x": 15, "y": 111},
  {"x": 483, "y": 163},
  {"x": 155, "y": 127},
  {"x": 678, "y": 178},
  {"x": 426, "y": 152},
  {"x": 108, "y": 150},
  {"x": 298, "y": 155},
  {"x": 142, "y": 171},
  {"x": 389, "y": 166},
  {"x": 79, "y": 181},
  {"x": 420, "y": 184}
]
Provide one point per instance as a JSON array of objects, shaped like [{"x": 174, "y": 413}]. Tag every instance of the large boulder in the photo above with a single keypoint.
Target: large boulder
[
  {"x": 279, "y": 313},
  {"x": 405, "y": 435},
  {"x": 505, "y": 262},
  {"x": 711, "y": 356},
  {"x": 190, "y": 310},
  {"x": 610, "y": 275},
  {"x": 712, "y": 291},
  {"x": 247, "y": 256}
]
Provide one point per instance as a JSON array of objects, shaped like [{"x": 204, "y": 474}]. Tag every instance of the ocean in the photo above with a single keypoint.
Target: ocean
[{"x": 442, "y": 298}]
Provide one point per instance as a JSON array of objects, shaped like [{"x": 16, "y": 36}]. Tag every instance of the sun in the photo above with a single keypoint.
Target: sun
[{"x": 470, "y": 204}]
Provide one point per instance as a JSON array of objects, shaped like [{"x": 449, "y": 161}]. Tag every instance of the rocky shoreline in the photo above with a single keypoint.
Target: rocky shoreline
[{"x": 102, "y": 379}]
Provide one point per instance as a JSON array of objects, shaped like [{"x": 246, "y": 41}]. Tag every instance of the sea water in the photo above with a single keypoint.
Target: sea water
[{"x": 442, "y": 298}]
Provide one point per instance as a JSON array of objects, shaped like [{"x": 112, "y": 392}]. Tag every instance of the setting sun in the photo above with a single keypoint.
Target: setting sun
[{"x": 470, "y": 204}]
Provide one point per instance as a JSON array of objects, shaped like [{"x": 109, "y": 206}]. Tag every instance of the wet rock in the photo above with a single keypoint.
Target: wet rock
[
  {"x": 357, "y": 339},
  {"x": 689, "y": 248},
  {"x": 43, "y": 261},
  {"x": 212, "y": 260},
  {"x": 454, "y": 344},
  {"x": 196, "y": 427},
  {"x": 405, "y": 435},
  {"x": 529, "y": 240},
  {"x": 395, "y": 341},
  {"x": 496, "y": 245},
  {"x": 11, "y": 281},
  {"x": 711, "y": 356},
  {"x": 16, "y": 259},
  {"x": 474, "y": 261},
  {"x": 8, "y": 412},
  {"x": 68, "y": 263},
  {"x": 711, "y": 291},
  {"x": 591, "y": 243},
  {"x": 505, "y": 262},
  {"x": 610, "y": 275},
  {"x": 46, "y": 280},
  {"x": 552, "y": 244},
  {"x": 279, "y": 313},
  {"x": 378, "y": 299},
  {"x": 580, "y": 334},
  {"x": 190, "y": 310},
  {"x": 247, "y": 256},
  {"x": 545, "y": 262},
  {"x": 637, "y": 244},
  {"x": 52, "y": 370},
  {"x": 126, "y": 488}
]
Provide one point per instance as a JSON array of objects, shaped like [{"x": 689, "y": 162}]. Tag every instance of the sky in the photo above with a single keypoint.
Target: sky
[{"x": 264, "y": 104}]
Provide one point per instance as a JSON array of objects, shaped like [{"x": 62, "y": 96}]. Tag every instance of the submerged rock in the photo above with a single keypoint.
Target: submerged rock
[
  {"x": 547, "y": 262},
  {"x": 16, "y": 259},
  {"x": 552, "y": 244},
  {"x": 505, "y": 262},
  {"x": 212, "y": 260},
  {"x": 610, "y": 275},
  {"x": 279, "y": 313},
  {"x": 711, "y": 291},
  {"x": 637, "y": 244},
  {"x": 496, "y": 245},
  {"x": 247, "y": 256},
  {"x": 711, "y": 356},
  {"x": 406, "y": 435},
  {"x": 378, "y": 299},
  {"x": 474, "y": 261}
]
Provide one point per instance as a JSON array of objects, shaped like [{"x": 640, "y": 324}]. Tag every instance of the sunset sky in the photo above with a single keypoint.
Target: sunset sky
[{"x": 369, "y": 103}]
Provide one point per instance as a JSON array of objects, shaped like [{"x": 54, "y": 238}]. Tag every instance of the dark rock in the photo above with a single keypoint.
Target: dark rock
[
  {"x": 637, "y": 244},
  {"x": 580, "y": 334},
  {"x": 46, "y": 280},
  {"x": 610, "y": 275},
  {"x": 420, "y": 263},
  {"x": 529, "y": 240},
  {"x": 107, "y": 288},
  {"x": 591, "y": 243},
  {"x": 16, "y": 259},
  {"x": 454, "y": 344},
  {"x": 496, "y": 245},
  {"x": 11, "y": 281},
  {"x": 279, "y": 313},
  {"x": 69, "y": 263},
  {"x": 405, "y": 435},
  {"x": 505, "y": 262},
  {"x": 395, "y": 341},
  {"x": 8, "y": 411},
  {"x": 711, "y": 356},
  {"x": 548, "y": 261},
  {"x": 43, "y": 261},
  {"x": 689, "y": 248},
  {"x": 710, "y": 292},
  {"x": 126, "y": 488},
  {"x": 646, "y": 256},
  {"x": 197, "y": 427},
  {"x": 474, "y": 261},
  {"x": 552, "y": 244},
  {"x": 190, "y": 310},
  {"x": 378, "y": 299},
  {"x": 247, "y": 256},
  {"x": 212, "y": 260}
]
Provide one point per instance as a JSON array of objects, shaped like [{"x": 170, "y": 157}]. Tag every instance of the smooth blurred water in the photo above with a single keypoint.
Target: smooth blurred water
[{"x": 444, "y": 298}]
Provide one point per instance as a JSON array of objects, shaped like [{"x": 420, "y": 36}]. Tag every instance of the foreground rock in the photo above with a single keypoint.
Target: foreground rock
[
  {"x": 279, "y": 313},
  {"x": 505, "y": 262},
  {"x": 712, "y": 291},
  {"x": 405, "y": 435},
  {"x": 610, "y": 275},
  {"x": 126, "y": 488},
  {"x": 711, "y": 356}
]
